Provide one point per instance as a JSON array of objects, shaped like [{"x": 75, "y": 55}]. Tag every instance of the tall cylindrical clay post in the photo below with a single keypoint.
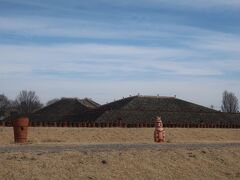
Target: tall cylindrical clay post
[{"x": 20, "y": 127}]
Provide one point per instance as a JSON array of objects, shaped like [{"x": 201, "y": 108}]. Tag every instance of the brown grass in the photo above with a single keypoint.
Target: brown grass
[
  {"x": 126, "y": 164},
  {"x": 120, "y": 135},
  {"x": 130, "y": 164}
]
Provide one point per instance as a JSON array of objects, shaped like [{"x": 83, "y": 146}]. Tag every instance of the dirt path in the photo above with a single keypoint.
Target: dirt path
[{"x": 109, "y": 147}]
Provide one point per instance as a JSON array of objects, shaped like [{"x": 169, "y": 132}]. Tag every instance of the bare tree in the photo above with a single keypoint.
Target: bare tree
[
  {"x": 26, "y": 102},
  {"x": 4, "y": 105},
  {"x": 52, "y": 101},
  {"x": 229, "y": 102}
]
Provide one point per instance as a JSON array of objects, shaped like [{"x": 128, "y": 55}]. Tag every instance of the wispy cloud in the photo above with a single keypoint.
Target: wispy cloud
[
  {"x": 64, "y": 27},
  {"x": 120, "y": 47},
  {"x": 100, "y": 58}
]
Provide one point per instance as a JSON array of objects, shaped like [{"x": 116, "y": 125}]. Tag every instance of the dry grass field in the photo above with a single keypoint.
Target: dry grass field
[
  {"x": 120, "y": 135},
  {"x": 139, "y": 164},
  {"x": 128, "y": 164}
]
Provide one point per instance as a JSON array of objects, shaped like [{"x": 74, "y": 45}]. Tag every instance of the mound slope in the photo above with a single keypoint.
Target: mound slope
[{"x": 144, "y": 109}]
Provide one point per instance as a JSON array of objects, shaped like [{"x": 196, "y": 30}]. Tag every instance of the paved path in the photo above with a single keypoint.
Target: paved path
[{"x": 109, "y": 147}]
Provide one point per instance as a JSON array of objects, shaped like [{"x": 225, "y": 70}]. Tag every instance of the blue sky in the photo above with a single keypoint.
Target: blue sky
[{"x": 108, "y": 49}]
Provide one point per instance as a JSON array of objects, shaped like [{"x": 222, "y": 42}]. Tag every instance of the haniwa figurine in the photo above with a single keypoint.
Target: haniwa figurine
[{"x": 159, "y": 133}]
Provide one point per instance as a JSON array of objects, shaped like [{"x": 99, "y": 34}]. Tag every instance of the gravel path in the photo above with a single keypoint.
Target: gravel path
[{"x": 109, "y": 147}]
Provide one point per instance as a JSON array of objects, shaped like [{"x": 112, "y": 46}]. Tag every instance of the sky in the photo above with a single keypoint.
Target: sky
[{"x": 106, "y": 49}]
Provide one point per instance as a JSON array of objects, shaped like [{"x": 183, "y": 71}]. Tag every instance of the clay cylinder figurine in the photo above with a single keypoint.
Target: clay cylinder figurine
[{"x": 159, "y": 132}]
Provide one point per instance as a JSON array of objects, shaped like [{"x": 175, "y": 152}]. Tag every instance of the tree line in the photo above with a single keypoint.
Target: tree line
[{"x": 27, "y": 102}]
